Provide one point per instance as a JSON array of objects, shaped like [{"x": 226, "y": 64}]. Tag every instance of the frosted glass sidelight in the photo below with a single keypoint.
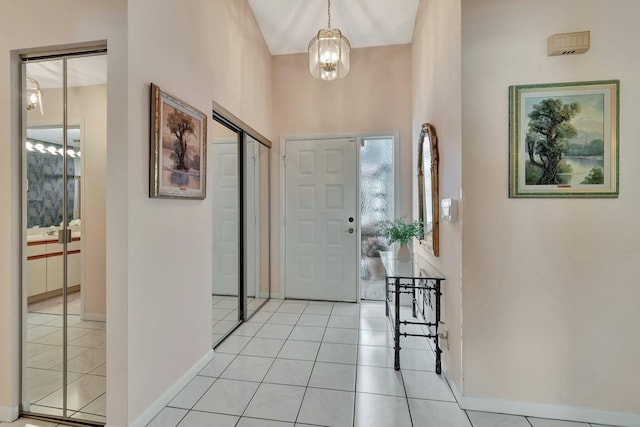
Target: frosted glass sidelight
[{"x": 376, "y": 206}]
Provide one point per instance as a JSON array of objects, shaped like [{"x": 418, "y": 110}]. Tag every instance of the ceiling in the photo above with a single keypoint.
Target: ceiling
[
  {"x": 289, "y": 25},
  {"x": 81, "y": 71}
]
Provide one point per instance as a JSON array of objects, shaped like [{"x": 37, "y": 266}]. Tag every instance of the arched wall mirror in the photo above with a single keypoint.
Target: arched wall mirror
[
  {"x": 428, "y": 193},
  {"x": 239, "y": 159}
]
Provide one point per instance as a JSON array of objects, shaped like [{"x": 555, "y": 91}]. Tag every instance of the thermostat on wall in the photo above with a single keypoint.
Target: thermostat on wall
[
  {"x": 568, "y": 43},
  {"x": 449, "y": 209}
]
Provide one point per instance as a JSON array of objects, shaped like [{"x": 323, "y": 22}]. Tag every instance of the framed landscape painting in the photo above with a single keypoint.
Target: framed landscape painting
[
  {"x": 178, "y": 161},
  {"x": 564, "y": 139}
]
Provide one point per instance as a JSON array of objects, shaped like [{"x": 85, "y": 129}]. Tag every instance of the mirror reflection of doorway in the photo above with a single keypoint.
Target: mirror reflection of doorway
[
  {"x": 256, "y": 216},
  {"x": 238, "y": 162},
  {"x": 64, "y": 278},
  {"x": 224, "y": 169}
]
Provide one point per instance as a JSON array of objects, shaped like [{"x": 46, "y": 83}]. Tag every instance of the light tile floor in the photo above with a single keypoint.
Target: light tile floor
[
  {"x": 225, "y": 314},
  {"x": 305, "y": 363},
  {"x": 300, "y": 363},
  {"x": 86, "y": 361}
]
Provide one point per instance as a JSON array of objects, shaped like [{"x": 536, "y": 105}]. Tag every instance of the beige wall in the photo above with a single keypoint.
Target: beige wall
[
  {"x": 374, "y": 97},
  {"x": 35, "y": 24},
  {"x": 550, "y": 286},
  {"x": 87, "y": 108},
  {"x": 198, "y": 51},
  {"x": 158, "y": 268},
  {"x": 436, "y": 79},
  {"x": 92, "y": 102}
]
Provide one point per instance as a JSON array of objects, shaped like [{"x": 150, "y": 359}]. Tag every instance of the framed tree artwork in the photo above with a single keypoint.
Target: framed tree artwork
[
  {"x": 178, "y": 160},
  {"x": 564, "y": 139}
]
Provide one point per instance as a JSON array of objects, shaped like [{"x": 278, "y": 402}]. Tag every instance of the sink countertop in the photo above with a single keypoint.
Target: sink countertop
[{"x": 49, "y": 238}]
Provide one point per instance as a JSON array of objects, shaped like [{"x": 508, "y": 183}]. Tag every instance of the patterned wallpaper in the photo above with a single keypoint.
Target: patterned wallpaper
[{"x": 44, "y": 196}]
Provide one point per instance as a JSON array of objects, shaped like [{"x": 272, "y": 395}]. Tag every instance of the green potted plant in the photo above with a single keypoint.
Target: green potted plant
[{"x": 403, "y": 232}]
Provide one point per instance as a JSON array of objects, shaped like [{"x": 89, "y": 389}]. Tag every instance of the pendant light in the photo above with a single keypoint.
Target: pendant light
[{"x": 329, "y": 52}]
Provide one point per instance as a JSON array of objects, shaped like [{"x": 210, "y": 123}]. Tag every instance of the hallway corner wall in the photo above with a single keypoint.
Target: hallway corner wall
[
  {"x": 436, "y": 76},
  {"x": 41, "y": 25},
  {"x": 222, "y": 57}
]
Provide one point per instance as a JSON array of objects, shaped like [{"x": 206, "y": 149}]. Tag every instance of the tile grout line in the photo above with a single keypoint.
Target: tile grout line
[
  {"x": 355, "y": 385},
  {"x": 312, "y": 368}
]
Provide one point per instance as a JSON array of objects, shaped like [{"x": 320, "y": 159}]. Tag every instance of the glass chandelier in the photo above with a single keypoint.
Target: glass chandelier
[{"x": 329, "y": 52}]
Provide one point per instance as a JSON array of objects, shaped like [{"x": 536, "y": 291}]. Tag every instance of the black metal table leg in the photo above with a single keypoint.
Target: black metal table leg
[
  {"x": 437, "y": 338},
  {"x": 386, "y": 297},
  {"x": 413, "y": 295},
  {"x": 396, "y": 335}
]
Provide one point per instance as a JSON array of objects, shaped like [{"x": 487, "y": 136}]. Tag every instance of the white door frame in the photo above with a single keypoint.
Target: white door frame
[{"x": 283, "y": 197}]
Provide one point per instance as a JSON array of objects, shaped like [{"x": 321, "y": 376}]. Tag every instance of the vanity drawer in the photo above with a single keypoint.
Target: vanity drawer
[{"x": 34, "y": 250}]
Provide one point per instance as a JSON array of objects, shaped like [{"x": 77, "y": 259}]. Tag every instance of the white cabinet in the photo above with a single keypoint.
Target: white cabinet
[
  {"x": 54, "y": 266},
  {"x": 36, "y": 269},
  {"x": 44, "y": 265}
]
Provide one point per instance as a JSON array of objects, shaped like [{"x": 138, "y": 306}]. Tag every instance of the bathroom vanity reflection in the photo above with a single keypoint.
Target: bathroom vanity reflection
[
  {"x": 45, "y": 181},
  {"x": 45, "y": 261}
]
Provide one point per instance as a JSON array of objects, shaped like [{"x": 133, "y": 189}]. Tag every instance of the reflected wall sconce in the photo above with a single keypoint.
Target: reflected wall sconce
[{"x": 34, "y": 95}]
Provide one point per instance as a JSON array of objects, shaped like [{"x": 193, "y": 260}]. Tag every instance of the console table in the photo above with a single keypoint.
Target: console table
[{"x": 425, "y": 299}]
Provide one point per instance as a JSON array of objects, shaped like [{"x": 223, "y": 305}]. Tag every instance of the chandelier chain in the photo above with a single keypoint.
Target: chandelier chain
[{"x": 329, "y": 12}]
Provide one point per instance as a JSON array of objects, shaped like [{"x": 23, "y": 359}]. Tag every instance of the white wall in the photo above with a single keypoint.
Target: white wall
[
  {"x": 94, "y": 182},
  {"x": 34, "y": 24},
  {"x": 550, "y": 286},
  {"x": 198, "y": 51},
  {"x": 374, "y": 97},
  {"x": 436, "y": 79},
  {"x": 158, "y": 251}
]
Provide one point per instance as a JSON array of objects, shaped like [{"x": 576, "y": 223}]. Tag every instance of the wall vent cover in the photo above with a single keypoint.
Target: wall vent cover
[{"x": 568, "y": 43}]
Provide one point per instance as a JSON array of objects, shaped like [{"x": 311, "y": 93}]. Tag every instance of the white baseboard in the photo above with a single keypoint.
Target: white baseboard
[
  {"x": 157, "y": 406},
  {"x": 276, "y": 295},
  {"x": 9, "y": 414},
  {"x": 538, "y": 410},
  {"x": 94, "y": 317}
]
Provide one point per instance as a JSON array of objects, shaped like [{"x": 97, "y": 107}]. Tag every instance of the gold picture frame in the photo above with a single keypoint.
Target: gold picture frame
[
  {"x": 178, "y": 158},
  {"x": 564, "y": 140},
  {"x": 428, "y": 187}
]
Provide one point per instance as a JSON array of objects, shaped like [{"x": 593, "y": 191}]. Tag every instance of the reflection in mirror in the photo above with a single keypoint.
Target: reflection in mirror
[
  {"x": 64, "y": 277},
  {"x": 240, "y": 221},
  {"x": 223, "y": 167},
  {"x": 256, "y": 224},
  {"x": 428, "y": 193},
  {"x": 44, "y": 176}
]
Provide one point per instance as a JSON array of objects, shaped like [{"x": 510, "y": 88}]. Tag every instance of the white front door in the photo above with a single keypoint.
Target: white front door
[{"x": 321, "y": 219}]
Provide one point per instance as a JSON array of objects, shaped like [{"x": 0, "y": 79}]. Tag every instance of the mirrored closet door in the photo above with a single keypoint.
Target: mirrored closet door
[
  {"x": 256, "y": 195},
  {"x": 239, "y": 164},
  {"x": 64, "y": 298},
  {"x": 224, "y": 167}
]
